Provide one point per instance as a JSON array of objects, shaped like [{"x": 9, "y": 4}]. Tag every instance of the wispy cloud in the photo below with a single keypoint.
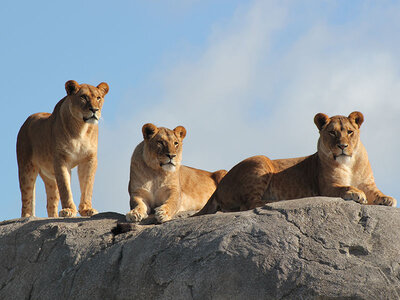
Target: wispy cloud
[{"x": 245, "y": 94}]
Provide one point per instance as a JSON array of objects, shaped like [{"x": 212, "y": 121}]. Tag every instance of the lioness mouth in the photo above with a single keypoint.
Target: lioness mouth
[
  {"x": 92, "y": 118},
  {"x": 169, "y": 163},
  {"x": 340, "y": 155}
]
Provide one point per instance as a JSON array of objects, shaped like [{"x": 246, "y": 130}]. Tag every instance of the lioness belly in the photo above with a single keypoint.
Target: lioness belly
[
  {"x": 194, "y": 203},
  {"x": 287, "y": 191}
]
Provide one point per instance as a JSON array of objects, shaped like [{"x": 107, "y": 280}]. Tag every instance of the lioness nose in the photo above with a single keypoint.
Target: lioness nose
[
  {"x": 171, "y": 156},
  {"x": 93, "y": 110},
  {"x": 342, "y": 146}
]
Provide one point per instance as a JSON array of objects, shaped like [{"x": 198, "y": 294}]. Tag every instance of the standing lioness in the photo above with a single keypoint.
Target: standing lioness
[
  {"x": 52, "y": 144},
  {"x": 340, "y": 168},
  {"x": 159, "y": 182}
]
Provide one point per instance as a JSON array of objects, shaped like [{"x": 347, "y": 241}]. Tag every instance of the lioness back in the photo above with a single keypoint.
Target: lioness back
[{"x": 159, "y": 182}]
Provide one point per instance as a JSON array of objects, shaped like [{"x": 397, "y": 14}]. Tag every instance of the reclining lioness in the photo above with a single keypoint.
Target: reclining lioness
[
  {"x": 340, "y": 168},
  {"x": 52, "y": 144},
  {"x": 159, "y": 182}
]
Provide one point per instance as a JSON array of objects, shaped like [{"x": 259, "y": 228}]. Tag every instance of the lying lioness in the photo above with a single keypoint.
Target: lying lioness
[
  {"x": 159, "y": 182},
  {"x": 52, "y": 144},
  {"x": 340, "y": 168}
]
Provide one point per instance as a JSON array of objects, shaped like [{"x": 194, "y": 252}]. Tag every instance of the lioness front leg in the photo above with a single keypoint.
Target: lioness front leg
[
  {"x": 385, "y": 200},
  {"x": 63, "y": 177},
  {"x": 376, "y": 197},
  {"x": 355, "y": 194},
  {"x": 139, "y": 209},
  {"x": 349, "y": 193},
  {"x": 86, "y": 173},
  {"x": 170, "y": 207}
]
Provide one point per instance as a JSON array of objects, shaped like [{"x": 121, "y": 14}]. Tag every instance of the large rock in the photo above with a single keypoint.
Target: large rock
[{"x": 300, "y": 249}]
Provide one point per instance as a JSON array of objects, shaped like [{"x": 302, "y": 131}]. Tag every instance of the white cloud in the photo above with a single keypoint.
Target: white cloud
[{"x": 243, "y": 97}]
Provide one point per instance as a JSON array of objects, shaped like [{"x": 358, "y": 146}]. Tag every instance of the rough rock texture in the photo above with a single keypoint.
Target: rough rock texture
[{"x": 321, "y": 248}]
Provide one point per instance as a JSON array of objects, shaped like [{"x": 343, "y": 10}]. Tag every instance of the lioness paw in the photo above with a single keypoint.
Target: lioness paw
[
  {"x": 162, "y": 215},
  {"x": 355, "y": 195},
  {"x": 135, "y": 216},
  {"x": 67, "y": 212},
  {"x": 88, "y": 212},
  {"x": 385, "y": 200}
]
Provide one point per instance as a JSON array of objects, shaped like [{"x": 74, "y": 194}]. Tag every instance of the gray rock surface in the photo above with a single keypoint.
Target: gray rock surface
[{"x": 317, "y": 248}]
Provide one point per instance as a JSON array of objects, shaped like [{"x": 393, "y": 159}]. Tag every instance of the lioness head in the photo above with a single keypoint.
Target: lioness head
[
  {"x": 86, "y": 100},
  {"x": 339, "y": 135},
  {"x": 163, "y": 146}
]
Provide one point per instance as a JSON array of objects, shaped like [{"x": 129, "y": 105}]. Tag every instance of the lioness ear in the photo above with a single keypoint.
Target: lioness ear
[
  {"x": 103, "y": 87},
  {"x": 321, "y": 120},
  {"x": 149, "y": 130},
  {"x": 72, "y": 87},
  {"x": 357, "y": 118},
  {"x": 180, "y": 131}
]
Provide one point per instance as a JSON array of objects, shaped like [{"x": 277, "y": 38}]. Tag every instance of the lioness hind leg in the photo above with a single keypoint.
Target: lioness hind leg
[
  {"x": 53, "y": 196},
  {"x": 245, "y": 185},
  {"x": 27, "y": 173},
  {"x": 255, "y": 187},
  {"x": 254, "y": 196}
]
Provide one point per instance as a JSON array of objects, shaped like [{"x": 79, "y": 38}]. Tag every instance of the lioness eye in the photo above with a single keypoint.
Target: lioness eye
[
  {"x": 350, "y": 132},
  {"x": 176, "y": 144},
  {"x": 98, "y": 98},
  {"x": 159, "y": 143},
  {"x": 332, "y": 133}
]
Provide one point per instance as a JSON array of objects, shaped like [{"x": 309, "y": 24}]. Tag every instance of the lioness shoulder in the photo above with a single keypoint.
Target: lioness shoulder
[
  {"x": 158, "y": 182},
  {"x": 339, "y": 168},
  {"x": 52, "y": 144}
]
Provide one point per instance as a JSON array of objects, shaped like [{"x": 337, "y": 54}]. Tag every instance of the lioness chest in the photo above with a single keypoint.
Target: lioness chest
[
  {"x": 156, "y": 190},
  {"x": 79, "y": 149},
  {"x": 345, "y": 172},
  {"x": 72, "y": 151}
]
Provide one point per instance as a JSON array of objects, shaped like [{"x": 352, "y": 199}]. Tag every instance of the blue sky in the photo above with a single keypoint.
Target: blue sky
[{"x": 243, "y": 77}]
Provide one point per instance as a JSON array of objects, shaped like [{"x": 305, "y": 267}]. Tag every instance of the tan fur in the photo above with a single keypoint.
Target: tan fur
[
  {"x": 52, "y": 144},
  {"x": 159, "y": 182},
  {"x": 340, "y": 168}
]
